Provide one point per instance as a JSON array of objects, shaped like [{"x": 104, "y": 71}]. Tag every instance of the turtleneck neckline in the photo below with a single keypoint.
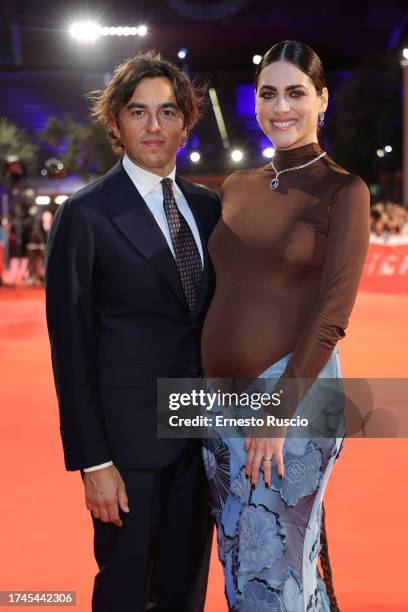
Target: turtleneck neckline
[{"x": 285, "y": 157}]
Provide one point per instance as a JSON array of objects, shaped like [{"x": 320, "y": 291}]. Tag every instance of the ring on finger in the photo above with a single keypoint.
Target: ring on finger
[{"x": 265, "y": 460}]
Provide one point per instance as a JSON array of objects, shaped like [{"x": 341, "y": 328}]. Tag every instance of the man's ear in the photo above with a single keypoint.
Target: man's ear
[
  {"x": 184, "y": 136},
  {"x": 114, "y": 129}
]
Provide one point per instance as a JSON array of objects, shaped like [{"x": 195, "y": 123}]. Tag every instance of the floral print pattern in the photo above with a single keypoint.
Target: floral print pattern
[
  {"x": 216, "y": 459},
  {"x": 269, "y": 538},
  {"x": 261, "y": 541},
  {"x": 292, "y": 594},
  {"x": 257, "y": 597},
  {"x": 302, "y": 475}
]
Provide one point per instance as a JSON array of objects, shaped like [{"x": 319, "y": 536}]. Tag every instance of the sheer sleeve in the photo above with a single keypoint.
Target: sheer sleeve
[{"x": 347, "y": 244}]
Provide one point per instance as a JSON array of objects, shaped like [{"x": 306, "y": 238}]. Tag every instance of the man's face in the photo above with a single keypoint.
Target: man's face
[{"x": 151, "y": 126}]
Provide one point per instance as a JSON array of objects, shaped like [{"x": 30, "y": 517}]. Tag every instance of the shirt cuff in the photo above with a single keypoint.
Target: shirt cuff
[{"x": 98, "y": 467}]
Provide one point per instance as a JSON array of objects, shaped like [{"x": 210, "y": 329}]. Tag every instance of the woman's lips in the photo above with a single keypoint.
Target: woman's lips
[{"x": 283, "y": 126}]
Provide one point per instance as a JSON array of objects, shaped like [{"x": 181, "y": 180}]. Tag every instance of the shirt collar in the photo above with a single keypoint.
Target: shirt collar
[{"x": 146, "y": 181}]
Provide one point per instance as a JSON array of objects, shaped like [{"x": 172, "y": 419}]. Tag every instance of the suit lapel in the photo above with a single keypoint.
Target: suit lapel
[{"x": 128, "y": 210}]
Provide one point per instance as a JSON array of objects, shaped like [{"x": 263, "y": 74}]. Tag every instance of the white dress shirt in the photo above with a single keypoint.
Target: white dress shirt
[{"x": 149, "y": 186}]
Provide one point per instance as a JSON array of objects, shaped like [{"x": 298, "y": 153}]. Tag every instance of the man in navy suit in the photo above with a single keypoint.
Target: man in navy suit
[{"x": 128, "y": 282}]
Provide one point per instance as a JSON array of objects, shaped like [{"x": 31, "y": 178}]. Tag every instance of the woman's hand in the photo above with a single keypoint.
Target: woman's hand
[{"x": 260, "y": 451}]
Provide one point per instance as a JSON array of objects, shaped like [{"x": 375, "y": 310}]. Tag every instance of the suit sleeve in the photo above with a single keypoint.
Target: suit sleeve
[
  {"x": 347, "y": 244},
  {"x": 70, "y": 320}
]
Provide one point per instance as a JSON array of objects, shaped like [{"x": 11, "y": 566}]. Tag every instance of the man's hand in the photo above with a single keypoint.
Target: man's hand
[{"x": 105, "y": 493}]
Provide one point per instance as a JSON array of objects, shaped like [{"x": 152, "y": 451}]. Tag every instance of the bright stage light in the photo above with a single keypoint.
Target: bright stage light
[
  {"x": 380, "y": 152},
  {"x": 405, "y": 53},
  {"x": 257, "y": 59},
  {"x": 60, "y": 199},
  {"x": 85, "y": 31},
  {"x": 195, "y": 157},
  {"x": 89, "y": 31},
  {"x": 269, "y": 152},
  {"x": 388, "y": 149},
  {"x": 182, "y": 54},
  {"x": 42, "y": 200},
  {"x": 237, "y": 155}
]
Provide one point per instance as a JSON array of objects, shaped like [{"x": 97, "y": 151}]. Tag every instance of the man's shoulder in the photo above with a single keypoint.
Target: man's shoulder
[{"x": 92, "y": 189}]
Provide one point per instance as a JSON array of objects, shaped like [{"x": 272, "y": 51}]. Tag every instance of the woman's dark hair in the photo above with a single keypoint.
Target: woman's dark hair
[
  {"x": 107, "y": 102},
  {"x": 325, "y": 565},
  {"x": 300, "y": 55}
]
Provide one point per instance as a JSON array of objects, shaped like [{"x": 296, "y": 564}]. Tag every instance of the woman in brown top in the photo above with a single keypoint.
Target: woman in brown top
[{"x": 288, "y": 254}]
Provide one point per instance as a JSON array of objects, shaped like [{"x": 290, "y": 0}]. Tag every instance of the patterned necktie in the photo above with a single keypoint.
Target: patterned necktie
[{"x": 188, "y": 258}]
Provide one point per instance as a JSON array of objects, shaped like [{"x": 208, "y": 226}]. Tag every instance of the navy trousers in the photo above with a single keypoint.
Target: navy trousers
[{"x": 158, "y": 560}]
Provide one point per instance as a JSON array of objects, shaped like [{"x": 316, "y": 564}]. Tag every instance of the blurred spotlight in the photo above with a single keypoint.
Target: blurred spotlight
[
  {"x": 405, "y": 54},
  {"x": 42, "y": 200},
  {"x": 182, "y": 54},
  {"x": 257, "y": 59},
  {"x": 29, "y": 193},
  {"x": 60, "y": 199},
  {"x": 89, "y": 31},
  {"x": 237, "y": 155},
  {"x": 195, "y": 157},
  {"x": 269, "y": 152},
  {"x": 54, "y": 167},
  {"x": 388, "y": 149},
  {"x": 380, "y": 152},
  {"x": 85, "y": 31},
  {"x": 219, "y": 118},
  {"x": 44, "y": 172}
]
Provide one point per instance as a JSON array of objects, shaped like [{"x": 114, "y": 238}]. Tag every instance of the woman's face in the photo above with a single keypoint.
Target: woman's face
[{"x": 288, "y": 105}]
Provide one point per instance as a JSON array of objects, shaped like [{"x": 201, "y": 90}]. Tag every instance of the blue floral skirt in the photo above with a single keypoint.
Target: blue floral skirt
[{"x": 269, "y": 538}]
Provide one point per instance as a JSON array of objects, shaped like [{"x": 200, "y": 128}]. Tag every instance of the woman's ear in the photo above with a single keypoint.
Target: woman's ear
[{"x": 324, "y": 100}]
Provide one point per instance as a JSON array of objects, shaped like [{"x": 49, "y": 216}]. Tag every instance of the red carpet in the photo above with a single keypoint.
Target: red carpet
[{"x": 46, "y": 540}]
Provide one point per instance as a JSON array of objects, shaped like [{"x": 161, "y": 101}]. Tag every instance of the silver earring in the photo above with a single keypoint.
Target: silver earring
[{"x": 321, "y": 120}]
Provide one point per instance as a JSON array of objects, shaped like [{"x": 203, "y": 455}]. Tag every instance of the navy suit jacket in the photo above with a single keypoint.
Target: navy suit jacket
[{"x": 118, "y": 320}]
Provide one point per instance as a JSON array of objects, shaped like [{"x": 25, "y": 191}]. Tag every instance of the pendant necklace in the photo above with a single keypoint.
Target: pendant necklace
[{"x": 275, "y": 181}]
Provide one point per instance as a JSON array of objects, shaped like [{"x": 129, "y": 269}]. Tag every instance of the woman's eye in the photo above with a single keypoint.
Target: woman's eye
[
  {"x": 267, "y": 95},
  {"x": 297, "y": 94},
  {"x": 168, "y": 113},
  {"x": 137, "y": 113}
]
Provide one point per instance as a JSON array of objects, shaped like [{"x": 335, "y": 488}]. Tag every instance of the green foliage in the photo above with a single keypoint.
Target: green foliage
[
  {"x": 14, "y": 141},
  {"x": 368, "y": 116},
  {"x": 87, "y": 150}
]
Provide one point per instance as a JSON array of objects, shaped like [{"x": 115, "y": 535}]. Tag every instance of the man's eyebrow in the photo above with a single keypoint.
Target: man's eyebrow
[
  {"x": 288, "y": 88},
  {"x": 141, "y": 105}
]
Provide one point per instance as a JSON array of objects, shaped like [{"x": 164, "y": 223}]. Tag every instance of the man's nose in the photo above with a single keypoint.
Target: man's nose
[{"x": 153, "y": 124}]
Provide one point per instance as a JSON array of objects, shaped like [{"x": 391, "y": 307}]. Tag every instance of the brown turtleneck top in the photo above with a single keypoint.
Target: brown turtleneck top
[{"x": 288, "y": 264}]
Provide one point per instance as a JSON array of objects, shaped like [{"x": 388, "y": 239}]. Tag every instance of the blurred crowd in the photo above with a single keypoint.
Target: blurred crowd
[
  {"x": 389, "y": 221},
  {"x": 29, "y": 226},
  {"x": 27, "y": 231}
]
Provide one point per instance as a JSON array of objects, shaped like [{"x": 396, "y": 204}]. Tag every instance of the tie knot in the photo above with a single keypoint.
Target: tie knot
[{"x": 167, "y": 184}]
